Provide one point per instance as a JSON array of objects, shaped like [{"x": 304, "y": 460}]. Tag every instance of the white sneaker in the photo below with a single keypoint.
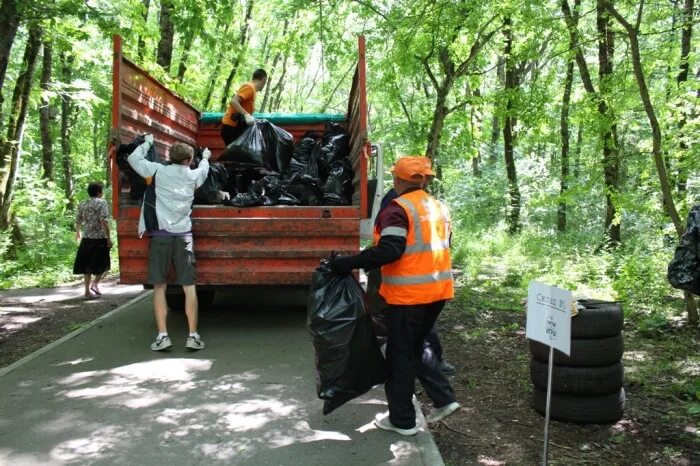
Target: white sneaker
[
  {"x": 194, "y": 343},
  {"x": 161, "y": 343},
  {"x": 437, "y": 414},
  {"x": 382, "y": 421}
]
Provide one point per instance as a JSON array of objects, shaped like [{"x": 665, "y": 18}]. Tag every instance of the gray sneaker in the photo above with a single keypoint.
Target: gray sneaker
[
  {"x": 437, "y": 414},
  {"x": 161, "y": 343},
  {"x": 194, "y": 343},
  {"x": 382, "y": 421}
]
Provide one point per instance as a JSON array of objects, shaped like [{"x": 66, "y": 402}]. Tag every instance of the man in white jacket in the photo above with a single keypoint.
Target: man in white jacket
[{"x": 165, "y": 217}]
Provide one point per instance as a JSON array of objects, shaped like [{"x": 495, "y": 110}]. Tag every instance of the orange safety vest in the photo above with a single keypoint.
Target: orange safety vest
[{"x": 423, "y": 274}]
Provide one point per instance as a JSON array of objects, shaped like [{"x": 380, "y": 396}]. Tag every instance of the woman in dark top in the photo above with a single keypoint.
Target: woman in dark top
[{"x": 92, "y": 258}]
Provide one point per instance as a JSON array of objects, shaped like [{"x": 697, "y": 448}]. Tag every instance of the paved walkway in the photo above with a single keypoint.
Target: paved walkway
[{"x": 100, "y": 396}]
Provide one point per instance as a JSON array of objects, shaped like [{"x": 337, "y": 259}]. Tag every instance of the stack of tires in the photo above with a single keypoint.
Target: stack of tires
[{"x": 586, "y": 386}]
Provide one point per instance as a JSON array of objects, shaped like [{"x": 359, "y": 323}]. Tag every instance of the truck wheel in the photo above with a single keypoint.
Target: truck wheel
[
  {"x": 594, "y": 352},
  {"x": 176, "y": 301},
  {"x": 599, "y": 319},
  {"x": 205, "y": 298},
  {"x": 584, "y": 381},
  {"x": 582, "y": 409}
]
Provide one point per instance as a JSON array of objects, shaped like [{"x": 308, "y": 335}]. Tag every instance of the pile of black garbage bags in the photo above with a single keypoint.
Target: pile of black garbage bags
[
  {"x": 349, "y": 361},
  {"x": 314, "y": 171}
]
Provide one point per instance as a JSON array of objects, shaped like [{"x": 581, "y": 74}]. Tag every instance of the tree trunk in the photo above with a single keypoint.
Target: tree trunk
[
  {"x": 279, "y": 87},
  {"x": 511, "y": 85},
  {"x": 268, "y": 85},
  {"x": 215, "y": 74},
  {"x": 242, "y": 44},
  {"x": 565, "y": 138},
  {"x": 141, "y": 50},
  {"x": 476, "y": 122},
  {"x": 632, "y": 34},
  {"x": 9, "y": 23},
  {"x": 275, "y": 61},
  {"x": 11, "y": 148},
  {"x": 167, "y": 34},
  {"x": 611, "y": 161},
  {"x": 686, "y": 35},
  {"x": 496, "y": 120},
  {"x": 439, "y": 114},
  {"x": 187, "y": 46},
  {"x": 45, "y": 114},
  {"x": 67, "y": 129},
  {"x": 577, "y": 152}
]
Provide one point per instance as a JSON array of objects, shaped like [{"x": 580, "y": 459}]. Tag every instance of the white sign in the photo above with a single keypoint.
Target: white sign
[{"x": 549, "y": 316}]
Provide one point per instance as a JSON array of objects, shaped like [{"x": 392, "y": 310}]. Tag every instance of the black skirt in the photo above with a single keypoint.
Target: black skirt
[{"x": 92, "y": 257}]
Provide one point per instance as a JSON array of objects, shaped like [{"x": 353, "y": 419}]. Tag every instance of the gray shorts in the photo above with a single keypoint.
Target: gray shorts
[{"x": 178, "y": 250}]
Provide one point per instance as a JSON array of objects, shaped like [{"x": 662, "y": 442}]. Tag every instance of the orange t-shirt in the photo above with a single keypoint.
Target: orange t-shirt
[{"x": 247, "y": 95}]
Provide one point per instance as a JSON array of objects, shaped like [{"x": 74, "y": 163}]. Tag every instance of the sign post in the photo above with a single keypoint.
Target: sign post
[{"x": 549, "y": 322}]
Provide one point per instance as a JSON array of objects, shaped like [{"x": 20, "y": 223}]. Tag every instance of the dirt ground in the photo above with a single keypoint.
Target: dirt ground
[
  {"x": 29, "y": 321},
  {"x": 483, "y": 333}
]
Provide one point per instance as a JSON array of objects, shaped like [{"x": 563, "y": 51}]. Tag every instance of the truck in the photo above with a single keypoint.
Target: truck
[{"x": 240, "y": 247}]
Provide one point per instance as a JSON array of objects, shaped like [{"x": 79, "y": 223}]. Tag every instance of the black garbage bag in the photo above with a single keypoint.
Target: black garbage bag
[
  {"x": 303, "y": 149},
  {"x": 249, "y": 147},
  {"x": 331, "y": 130},
  {"x": 310, "y": 171},
  {"x": 305, "y": 190},
  {"x": 684, "y": 268},
  {"x": 348, "y": 359},
  {"x": 288, "y": 199},
  {"x": 273, "y": 189},
  {"x": 279, "y": 146},
  {"x": 338, "y": 147},
  {"x": 138, "y": 184},
  {"x": 252, "y": 197},
  {"x": 210, "y": 191},
  {"x": 337, "y": 190}
]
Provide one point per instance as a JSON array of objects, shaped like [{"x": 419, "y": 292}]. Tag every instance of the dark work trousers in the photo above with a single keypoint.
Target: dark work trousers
[
  {"x": 231, "y": 133},
  {"x": 407, "y": 328},
  {"x": 432, "y": 343},
  {"x": 377, "y": 308}
]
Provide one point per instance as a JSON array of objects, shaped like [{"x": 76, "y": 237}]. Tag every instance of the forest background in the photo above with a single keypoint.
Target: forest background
[{"x": 564, "y": 132}]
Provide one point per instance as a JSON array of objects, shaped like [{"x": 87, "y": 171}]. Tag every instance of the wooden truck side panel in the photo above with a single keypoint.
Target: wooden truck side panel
[{"x": 277, "y": 245}]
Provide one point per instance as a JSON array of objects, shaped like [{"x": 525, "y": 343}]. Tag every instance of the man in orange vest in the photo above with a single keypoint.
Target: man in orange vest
[
  {"x": 412, "y": 249},
  {"x": 239, "y": 113}
]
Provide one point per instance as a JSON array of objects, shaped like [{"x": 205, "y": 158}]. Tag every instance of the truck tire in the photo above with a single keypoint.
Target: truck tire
[
  {"x": 604, "y": 409},
  {"x": 176, "y": 301},
  {"x": 594, "y": 352},
  {"x": 582, "y": 381},
  {"x": 599, "y": 319}
]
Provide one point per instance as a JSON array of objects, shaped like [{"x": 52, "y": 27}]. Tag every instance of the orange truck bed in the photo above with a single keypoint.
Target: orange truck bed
[{"x": 278, "y": 245}]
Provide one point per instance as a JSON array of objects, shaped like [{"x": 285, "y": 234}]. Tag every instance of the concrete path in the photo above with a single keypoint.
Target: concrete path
[{"x": 101, "y": 396}]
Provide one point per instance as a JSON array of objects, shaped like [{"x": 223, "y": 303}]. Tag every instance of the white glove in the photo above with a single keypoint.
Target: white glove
[
  {"x": 249, "y": 120},
  {"x": 148, "y": 138},
  {"x": 206, "y": 153},
  {"x": 224, "y": 196}
]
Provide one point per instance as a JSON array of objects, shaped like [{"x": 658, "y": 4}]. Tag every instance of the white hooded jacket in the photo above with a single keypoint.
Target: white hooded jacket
[{"x": 169, "y": 206}]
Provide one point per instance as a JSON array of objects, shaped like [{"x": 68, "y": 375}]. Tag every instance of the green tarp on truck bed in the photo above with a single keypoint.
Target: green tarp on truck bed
[{"x": 283, "y": 118}]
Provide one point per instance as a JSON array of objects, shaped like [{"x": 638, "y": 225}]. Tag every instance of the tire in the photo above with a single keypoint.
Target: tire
[
  {"x": 176, "y": 301},
  {"x": 595, "y": 352},
  {"x": 582, "y": 381},
  {"x": 582, "y": 409},
  {"x": 599, "y": 319}
]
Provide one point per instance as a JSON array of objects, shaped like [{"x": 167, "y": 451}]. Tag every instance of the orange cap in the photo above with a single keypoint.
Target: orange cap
[{"x": 409, "y": 168}]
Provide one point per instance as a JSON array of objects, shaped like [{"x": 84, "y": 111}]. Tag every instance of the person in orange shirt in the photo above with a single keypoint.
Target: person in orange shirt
[
  {"x": 239, "y": 113},
  {"x": 412, "y": 237}
]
